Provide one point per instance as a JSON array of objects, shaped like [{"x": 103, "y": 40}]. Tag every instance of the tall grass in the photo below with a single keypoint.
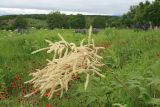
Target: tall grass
[{"x": 132, "y": 75}]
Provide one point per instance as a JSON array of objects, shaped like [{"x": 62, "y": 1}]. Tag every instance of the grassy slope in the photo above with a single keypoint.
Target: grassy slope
[{"x": 133, "y": 56}]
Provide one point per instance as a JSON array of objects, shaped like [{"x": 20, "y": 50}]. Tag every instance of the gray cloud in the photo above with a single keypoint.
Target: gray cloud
[{"x": 112, "y": 7}]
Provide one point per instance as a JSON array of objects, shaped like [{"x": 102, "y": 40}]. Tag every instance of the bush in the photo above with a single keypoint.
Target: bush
[
  {"x": 56, "y": 20},
  {"x": 20, "y": 23},
  {"x": 99, "y": 22},
  {"x": 77, "y": 21}
]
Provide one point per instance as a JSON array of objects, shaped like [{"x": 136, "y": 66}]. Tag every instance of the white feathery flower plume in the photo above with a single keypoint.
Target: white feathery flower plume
[{"x": 69, "y": 60}]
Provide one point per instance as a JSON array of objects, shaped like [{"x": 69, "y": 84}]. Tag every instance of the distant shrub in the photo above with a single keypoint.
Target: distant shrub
[
  {"x": 77, "y": 21},
  {"x": 20, "y": 23},
  {"x": 99, "y": 22},
  {"x": 56, "y": 20}
]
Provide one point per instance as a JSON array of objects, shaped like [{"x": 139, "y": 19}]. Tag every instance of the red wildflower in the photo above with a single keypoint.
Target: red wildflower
[
  {"x": 46, "y": 94},
  {"x": 13, "y": 84},
  {"x": 48, "y": 105}
]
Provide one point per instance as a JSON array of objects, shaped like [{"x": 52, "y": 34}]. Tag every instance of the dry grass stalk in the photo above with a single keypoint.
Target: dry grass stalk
[{"x": 68, "y": 60}]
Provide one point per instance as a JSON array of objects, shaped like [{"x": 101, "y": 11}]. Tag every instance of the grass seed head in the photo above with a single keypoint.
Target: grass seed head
[{"x": 69, "y": 60}]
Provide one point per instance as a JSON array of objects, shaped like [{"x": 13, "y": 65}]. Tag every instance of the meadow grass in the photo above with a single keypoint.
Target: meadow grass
[{"x": 132, "y": 71}]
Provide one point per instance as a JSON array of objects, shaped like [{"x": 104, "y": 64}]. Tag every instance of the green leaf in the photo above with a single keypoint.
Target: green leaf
[
  {"x": 156, "y": 67},
  {"x": 91, "y": 99},
  {"x": 155, "y": 101}
]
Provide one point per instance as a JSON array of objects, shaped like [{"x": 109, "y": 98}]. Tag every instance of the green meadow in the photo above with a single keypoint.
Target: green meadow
[{"x": 132, "y": 69}]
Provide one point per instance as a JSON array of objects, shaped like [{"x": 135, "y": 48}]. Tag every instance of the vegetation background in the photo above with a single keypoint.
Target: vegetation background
[
  {"x": 132, "y": 58},
  {"x": 142, "y": 14}
]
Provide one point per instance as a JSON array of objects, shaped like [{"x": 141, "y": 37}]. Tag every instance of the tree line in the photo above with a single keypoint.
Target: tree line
[
  {"x": 55, "y": 20},
  {"x": 144, "y": 14}
]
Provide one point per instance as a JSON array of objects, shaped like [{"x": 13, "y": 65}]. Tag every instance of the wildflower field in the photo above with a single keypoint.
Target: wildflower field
[{"x": 131, "y": 68}]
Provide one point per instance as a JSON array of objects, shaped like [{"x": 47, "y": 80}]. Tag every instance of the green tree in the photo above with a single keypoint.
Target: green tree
[
  {"x": 143, "y": 13},
  {"x": 153, "y": 12},
  {"x": 57, "y": 20},
  {"x": 20, "y": 22},
  {"x": 99, "y": 22},
  {"x": 77, "y": 21}
]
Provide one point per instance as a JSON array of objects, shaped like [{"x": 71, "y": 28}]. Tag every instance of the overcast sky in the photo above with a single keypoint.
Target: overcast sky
[{"x": 102, "y": 7}]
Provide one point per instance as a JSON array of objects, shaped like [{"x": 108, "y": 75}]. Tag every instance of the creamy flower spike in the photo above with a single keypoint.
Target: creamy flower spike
[{"x": 69, "y": 60}]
